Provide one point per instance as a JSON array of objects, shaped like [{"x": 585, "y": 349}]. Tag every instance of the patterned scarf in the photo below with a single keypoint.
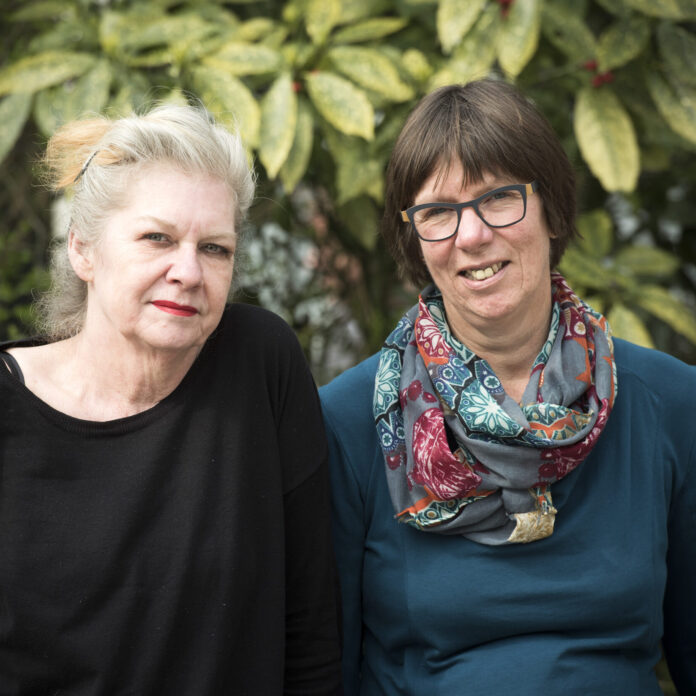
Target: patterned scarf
[{"x": 461, "y": 456}]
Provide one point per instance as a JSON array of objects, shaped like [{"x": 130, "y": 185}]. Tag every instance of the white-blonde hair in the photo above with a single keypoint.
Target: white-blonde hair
[{"x": 98, "y": 158}]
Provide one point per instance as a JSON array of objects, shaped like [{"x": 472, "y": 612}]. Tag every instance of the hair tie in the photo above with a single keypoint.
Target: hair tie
[{"x": 84, "y": 167}]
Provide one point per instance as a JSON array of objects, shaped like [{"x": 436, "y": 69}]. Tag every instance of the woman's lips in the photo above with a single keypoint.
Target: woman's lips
[{"x": 174, "y": 308}]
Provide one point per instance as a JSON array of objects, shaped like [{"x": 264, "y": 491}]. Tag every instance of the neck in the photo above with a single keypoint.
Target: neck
[
  {"x": 98, "y": 382},
  {"x": 509, "y": 346}
]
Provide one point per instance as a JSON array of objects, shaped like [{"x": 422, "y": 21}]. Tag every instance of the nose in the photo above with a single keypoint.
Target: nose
[
  {"x": 472, "y": 232},
  {"x": 185, "y": 267}
]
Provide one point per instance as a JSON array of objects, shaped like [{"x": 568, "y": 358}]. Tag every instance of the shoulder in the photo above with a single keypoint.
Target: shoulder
[
  {"x": 347, "y": 402},
  {"x": 655, "y": 372},
  {"x": 254, "y": 322},
  {"x": 352, "y": 389}
]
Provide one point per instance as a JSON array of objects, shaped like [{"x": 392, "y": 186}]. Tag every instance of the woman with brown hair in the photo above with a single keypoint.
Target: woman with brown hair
[{"x": 514, "y": 491}]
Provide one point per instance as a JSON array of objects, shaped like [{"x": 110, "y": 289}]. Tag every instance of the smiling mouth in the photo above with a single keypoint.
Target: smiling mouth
[
  {"x": 483, "y": 273},
  {"x": 174, "y": 308}
]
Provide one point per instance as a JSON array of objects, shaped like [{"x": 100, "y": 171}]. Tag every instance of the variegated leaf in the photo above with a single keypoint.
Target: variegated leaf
[
  {"x": 230, "y": 101},
  {"x": 454, "y": 19},
  {"x": 607, "y": 139},
  {"x": 295, "y": 165},
  {"x": 647, "y": 261},
  {"x": 676, "y": 104},
  {"x": 245, "y": 59},
  {"x": 369, "y": 30},
  {"x": 596, "y": 233},
  {"x": 665, "y": 306},
  {"x": 278, "y": 122},
  {"x": 475, "y": 54},
  {"x": 86, "y": 96},
  {"x": 342, "y": 104},
  {"x": 678, "y": 50},
  {"x": 670, "y": 9},
  {"x": 372, "y": 70},
  {"x": 519, "y": 36},
  {"x": 14, "y": 110},
  {"x": 321, "y": 17},
  {"x": 622, "y": 42},
  {"x": 628, "y": 325},
  {"x": 568, "y": 33},
  {"x": 34, "y": 73}
]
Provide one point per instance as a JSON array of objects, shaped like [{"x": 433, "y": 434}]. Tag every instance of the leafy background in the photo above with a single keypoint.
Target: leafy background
[{"x": 319, "y": 89}]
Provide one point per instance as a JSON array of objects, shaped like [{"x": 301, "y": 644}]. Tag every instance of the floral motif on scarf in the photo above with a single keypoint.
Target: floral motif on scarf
[{"x": 461, "y": 456}]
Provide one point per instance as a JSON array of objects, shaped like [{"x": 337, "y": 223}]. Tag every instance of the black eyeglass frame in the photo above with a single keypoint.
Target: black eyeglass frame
[{"x": 524, "y": 189}]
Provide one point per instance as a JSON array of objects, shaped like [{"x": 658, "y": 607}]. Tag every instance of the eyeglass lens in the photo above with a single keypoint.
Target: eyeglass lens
[{"x": 500, "y": 209}]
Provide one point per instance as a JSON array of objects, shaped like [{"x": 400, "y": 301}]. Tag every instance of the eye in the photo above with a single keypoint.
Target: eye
[
  {"x": 216, "y": 250},
  {"x": 156, "y": 237},
  {"x": 499, "y": 196},
  {"x": 435, "y": 213}
]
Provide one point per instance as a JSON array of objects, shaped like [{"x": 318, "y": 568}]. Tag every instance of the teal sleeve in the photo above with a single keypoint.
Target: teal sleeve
[
  {"x": 348, "y": 525},
  {"x": 680, "y": 596}
]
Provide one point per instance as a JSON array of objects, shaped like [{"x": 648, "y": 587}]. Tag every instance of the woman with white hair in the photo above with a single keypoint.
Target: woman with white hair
[{"x": 163, "y": 501}]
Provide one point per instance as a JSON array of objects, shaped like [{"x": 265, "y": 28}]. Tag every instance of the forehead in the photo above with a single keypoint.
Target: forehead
[
  {"x": 449, "y": 179},
  {"x": 162, "y": 190}
]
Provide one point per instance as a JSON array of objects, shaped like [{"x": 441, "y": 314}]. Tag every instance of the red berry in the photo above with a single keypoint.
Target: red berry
[{"x": 590, "y": 65}]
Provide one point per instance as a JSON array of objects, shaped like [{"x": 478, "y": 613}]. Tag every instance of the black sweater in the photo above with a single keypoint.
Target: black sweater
[{"x": 181, "y": 551}]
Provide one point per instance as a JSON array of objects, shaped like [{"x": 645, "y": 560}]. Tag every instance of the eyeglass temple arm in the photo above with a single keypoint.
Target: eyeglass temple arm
[{"x": 404, "y": 216}]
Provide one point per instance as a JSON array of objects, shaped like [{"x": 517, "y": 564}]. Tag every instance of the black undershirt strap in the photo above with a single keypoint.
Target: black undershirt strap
[{"x": 12, "y": 366}]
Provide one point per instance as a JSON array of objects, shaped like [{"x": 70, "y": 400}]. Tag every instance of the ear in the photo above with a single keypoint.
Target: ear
[{"x": 80, "y": 257}]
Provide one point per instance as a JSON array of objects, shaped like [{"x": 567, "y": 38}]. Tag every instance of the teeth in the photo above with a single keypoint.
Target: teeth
[{"x": 483, "y": 273}]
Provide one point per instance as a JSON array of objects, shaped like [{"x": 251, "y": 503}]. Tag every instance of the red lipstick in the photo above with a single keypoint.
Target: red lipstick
[{"x": 174, "y": 308}]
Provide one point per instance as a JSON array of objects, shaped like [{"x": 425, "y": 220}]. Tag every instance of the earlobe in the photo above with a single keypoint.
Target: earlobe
[{"x": 79, "y": 256}]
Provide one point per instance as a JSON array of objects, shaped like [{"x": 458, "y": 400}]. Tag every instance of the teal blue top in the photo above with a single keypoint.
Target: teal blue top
[{"x": 581, "y": 612}]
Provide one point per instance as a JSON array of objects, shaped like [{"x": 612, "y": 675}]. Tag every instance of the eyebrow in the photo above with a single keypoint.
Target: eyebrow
[
  {"x": 479, "y": 190},
  {"x": 171, "y": 226}
]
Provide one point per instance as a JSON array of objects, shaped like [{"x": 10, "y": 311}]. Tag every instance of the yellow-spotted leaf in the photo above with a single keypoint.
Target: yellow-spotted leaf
[
  {"x": 607, "y": 139},
  {"x": 519, "y": 36},
  {"x": 372, "y": 70},
  {"x": 46, "y": 10},
  {"x": 669, "y": 9},
  {"x": 628, "y": 325},
  {"x": 278, "y": 122},
  {"x": 596, "y": 233},
  {"x": 416, "y": 64},
  {"x": 566, "y": 30},
  {"x": 34, "y": 73},
  {"x": 676, "y": 104},
  {"x": 295, "y": 165},
  {"x": 622, "y": 42},
  {"x": 355, "y": 10},
  {"x": 321, "y": 17},
  {"x": 369, "y": 30},
  {"x": 361, "y": 217},
  {"x": 454, "y": 19},
  {"x": 356, "y": 176},
  {"x": 230, "y": 101},
  {"x": 475, "y": 54},
  {"x": 14, "y": 110},
  {"x": 254, "y": 29},
  {"x": 341, "y": 103},
  {"x": 133, "y": 92},
  {"x": 678, "y": 50},
  {"x": 583, "y": 270},
  {"x": 665, "y": 306},
  {"x": 245, "y": 59},
  {"x": 84, "y": 97},
  {"x": 647, "y": 261}
]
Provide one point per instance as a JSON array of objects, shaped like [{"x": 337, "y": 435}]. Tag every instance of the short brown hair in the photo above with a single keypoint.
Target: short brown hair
[{"x": 490, "y": 127}]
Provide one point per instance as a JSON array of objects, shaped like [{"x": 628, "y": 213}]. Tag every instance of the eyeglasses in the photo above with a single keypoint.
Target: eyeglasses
[{"x": 500, "y": 207}]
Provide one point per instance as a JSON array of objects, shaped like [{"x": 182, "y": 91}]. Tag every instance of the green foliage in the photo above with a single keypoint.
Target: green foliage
[{"x": 320, "y": 88}]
